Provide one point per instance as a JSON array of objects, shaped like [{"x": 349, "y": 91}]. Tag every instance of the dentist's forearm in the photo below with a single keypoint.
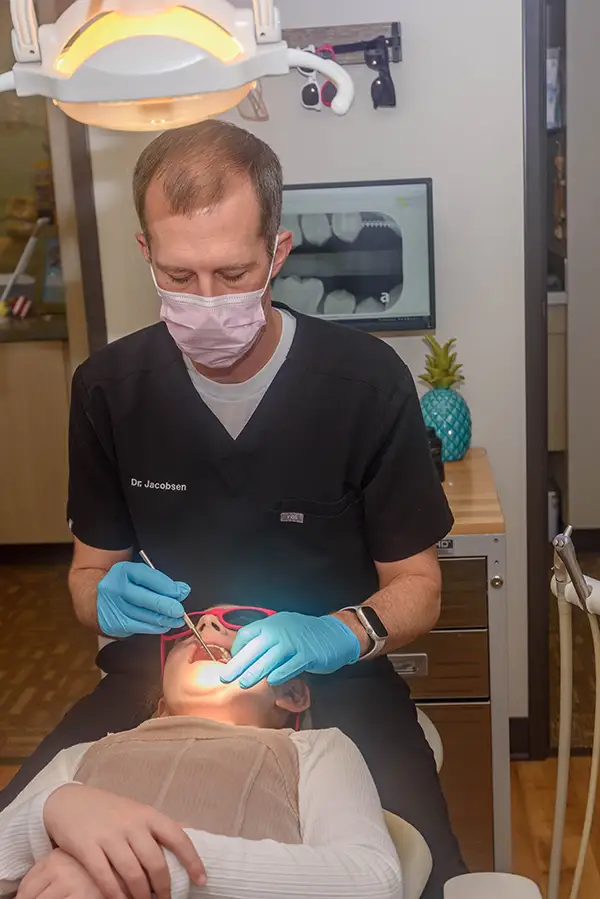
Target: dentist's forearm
[
  {"x": 88, "y": 568},
  {"x": 408, "y": 603},
  {"x": 83, "y": 584}
]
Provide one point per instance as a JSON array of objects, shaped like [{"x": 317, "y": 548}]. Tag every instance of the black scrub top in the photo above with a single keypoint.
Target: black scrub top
[{"x": 332, "y": 472}]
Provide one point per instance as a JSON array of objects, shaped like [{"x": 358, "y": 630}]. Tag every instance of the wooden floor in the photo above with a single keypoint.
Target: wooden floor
[
  {"x": 46, "y": 656},
  {"x": 6, "y": 774},
  {"x": 533, "y": 809},
  {"x": 533, "y": 812}
]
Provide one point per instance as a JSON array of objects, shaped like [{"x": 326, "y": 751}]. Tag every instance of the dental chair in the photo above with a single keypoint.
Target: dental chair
[
  {"x": 571, "y": 588},
  {"x": 412, "y": 849}
]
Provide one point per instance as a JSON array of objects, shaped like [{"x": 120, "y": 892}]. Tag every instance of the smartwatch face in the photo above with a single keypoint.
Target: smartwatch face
[{"x": 375, "y": 622}]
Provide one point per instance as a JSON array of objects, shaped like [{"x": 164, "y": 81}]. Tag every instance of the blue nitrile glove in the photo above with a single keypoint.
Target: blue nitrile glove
[
  {"x": 136, "y": 599},
  {"x": 286, "y": 644}
]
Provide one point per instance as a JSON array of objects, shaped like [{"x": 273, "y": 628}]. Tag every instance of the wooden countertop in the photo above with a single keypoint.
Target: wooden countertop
[
  {"x": 42, "y": 327},
  {"x": 471, "y": 492}
]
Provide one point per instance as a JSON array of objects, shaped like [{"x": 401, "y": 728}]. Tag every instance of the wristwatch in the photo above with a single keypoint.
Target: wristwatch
[{"x": 374, "y": 627}]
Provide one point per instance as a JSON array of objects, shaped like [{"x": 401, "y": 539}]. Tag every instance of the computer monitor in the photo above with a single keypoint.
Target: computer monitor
[{"x": 362, "y": 253}]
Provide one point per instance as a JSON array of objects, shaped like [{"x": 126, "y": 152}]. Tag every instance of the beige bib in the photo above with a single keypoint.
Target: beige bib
[{"x": 225, "y": 779}]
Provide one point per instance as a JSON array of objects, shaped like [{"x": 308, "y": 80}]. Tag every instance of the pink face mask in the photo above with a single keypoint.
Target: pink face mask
[{"x": 214, "y": 331}]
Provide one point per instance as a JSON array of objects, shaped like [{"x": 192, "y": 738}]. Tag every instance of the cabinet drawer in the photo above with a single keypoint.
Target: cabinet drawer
[
  {"x": 464, "y": 593},
  {"x": 446, "y": 665},
  {"x": 466, "y": 776}
]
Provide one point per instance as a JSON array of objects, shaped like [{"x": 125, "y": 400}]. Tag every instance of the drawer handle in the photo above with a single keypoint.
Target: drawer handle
[{"x": 410, "y": 664}]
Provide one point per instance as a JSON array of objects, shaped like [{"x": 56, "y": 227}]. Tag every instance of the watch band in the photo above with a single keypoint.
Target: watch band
[{"x": 378, "y": 640}]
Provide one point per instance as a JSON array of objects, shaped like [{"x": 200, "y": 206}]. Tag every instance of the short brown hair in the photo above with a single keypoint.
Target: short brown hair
[{"x": 194, "y": 165}]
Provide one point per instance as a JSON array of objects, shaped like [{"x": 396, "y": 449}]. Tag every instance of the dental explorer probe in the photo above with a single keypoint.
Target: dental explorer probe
[{"x": 186, "y": 617}]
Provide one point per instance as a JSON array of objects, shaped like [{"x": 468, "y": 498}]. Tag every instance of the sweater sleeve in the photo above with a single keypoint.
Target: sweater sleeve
[
  {"x": 23, "y": 837},
  {"x": 346, "y": 851}
]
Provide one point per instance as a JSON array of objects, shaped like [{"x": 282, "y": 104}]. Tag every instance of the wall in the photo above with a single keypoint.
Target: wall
[
  {"x": 69, "y": 239},
  {"x": 583, "y": 222},
  {"x": 459, "y": 120}
]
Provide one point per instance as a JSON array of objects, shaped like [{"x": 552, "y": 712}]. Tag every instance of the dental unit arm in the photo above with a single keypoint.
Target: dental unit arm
[{"x": 571, "y": 588}]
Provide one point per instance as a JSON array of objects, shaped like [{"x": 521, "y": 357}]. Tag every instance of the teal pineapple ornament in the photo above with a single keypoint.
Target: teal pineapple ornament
[{"x": 444, "y": 409}]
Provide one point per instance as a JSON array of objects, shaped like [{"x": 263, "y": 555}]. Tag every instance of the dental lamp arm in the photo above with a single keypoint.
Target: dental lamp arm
[
  {"x": 332, "y": 70},
  {"x": 266, "y": 22},
  {"x": 25, "y": 43}
]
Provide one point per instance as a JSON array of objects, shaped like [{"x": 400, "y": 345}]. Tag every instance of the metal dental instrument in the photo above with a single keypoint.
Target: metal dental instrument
[
  {"x": 563, "y": 547},
  {"x": 186, "y": 617}
]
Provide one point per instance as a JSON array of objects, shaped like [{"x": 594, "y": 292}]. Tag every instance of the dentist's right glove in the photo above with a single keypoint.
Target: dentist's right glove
[{"x": 136, "y": 599}]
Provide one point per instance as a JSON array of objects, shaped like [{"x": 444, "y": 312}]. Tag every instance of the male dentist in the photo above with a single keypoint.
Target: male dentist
[{"x": 259, "y": 457}]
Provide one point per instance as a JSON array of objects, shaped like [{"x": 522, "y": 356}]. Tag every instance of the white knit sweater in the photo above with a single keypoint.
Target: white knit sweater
[{"x": 346, "y": 851}]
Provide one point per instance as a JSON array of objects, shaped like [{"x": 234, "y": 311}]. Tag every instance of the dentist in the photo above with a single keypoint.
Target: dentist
[{"x": 260, "y": 458}]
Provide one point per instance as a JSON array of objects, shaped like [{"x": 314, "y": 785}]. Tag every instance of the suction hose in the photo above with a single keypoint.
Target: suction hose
[
  {"x": 564, "y": 734},
  {"x": 572, "y": 588},
  {"x": 593, "y": 786}
]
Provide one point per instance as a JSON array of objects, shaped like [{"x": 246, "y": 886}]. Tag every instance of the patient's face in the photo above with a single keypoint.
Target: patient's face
[{"x": 192, "y": 684}]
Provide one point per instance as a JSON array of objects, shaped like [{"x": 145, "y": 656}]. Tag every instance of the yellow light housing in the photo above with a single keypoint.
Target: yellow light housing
[
  {"x": 176, "y": 22},
  {"x": 155, "y": 115},
  {"x": 193, "y": 59}
]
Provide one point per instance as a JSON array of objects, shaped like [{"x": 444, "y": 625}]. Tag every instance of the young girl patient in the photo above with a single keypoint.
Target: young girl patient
[{"x": 216, "y": 797}]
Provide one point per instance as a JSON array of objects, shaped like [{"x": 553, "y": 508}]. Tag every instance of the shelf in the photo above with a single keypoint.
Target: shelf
[{"x": 344, "y": 36}]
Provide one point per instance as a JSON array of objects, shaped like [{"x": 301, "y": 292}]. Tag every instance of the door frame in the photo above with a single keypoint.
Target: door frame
[
  {"x": 84, "y": 211},
  {"x": 536, "y": 374}
]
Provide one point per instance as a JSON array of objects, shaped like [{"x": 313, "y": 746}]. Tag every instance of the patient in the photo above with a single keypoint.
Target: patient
[{"x": 215, "y": 797}]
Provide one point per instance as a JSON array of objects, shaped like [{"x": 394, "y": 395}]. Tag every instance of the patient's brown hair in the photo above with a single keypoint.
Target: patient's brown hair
[{"x": 195, "y": 166}]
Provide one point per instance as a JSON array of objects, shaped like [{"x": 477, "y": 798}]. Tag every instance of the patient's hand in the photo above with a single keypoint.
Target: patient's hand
[
  {"x": 114, "y": 838},
  {"x": 58, "y": 876}
]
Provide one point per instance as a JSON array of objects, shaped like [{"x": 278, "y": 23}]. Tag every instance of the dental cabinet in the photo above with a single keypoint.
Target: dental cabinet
[
  {"x": 34, "y": 411},
  {"x": 458, "y": 672}
]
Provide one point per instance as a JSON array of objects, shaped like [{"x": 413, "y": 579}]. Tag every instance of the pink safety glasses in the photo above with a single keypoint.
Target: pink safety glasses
[
  {"x": 232, "y": 619},
  {"x": 315, "y": 95}
]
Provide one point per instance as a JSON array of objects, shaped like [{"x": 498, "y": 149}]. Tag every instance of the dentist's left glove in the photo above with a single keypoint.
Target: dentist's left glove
[
  {"x": 286, "y": 644},
  {"x": 135, "y": 599}
]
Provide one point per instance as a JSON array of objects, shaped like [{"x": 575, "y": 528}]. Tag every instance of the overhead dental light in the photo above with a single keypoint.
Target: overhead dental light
[{"x": 149, "y": 65}]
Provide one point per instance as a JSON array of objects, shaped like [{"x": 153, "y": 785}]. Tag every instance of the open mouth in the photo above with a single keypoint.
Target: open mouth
[{"x": 201, "y": 655}]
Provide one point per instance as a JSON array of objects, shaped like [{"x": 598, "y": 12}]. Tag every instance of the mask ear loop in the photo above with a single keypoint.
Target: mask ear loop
[
  {"x": 298, "y": 721},
  {"x": 272, "y": 266}
]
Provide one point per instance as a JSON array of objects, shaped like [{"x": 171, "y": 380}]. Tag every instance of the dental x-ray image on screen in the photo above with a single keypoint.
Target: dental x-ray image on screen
[{"x": 362, "y": 254}]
